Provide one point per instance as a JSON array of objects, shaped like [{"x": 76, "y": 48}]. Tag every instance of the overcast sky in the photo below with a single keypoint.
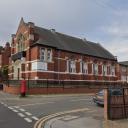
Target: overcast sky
[{"x": 102, "y": 21}]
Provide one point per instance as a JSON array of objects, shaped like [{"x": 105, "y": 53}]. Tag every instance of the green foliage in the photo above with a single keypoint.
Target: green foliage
[{"x": 4, "y": 71}]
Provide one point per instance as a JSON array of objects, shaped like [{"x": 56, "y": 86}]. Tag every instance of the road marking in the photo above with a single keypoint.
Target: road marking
[
  {"x": 28, "y": 120},
  {"x": 22, "y": 110},
  {"x": 14, "y": 110},
  {"x": 27, "y": 113},
  {"x": 16, "y": 106},
  {"x": 21, "y": 115},
  {"x": 80, "y": 100},
  {"x": 34, "y": 104},
  {"x": 35, "y": 118},
  {"x": 69, "y": 117},
  {"x": 10, "y": 108}
]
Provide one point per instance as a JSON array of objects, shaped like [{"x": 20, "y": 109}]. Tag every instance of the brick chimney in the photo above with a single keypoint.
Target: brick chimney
[
  {"x": 12, "y": 43},
  {"x": 7, "y": 49}
]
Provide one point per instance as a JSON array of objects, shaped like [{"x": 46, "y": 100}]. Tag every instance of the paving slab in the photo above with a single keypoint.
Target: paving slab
[{"x": 116, "y": 124}]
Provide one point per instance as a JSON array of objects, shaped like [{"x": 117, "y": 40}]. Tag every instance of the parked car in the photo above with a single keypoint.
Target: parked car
[{"x": 99, "y": 97}]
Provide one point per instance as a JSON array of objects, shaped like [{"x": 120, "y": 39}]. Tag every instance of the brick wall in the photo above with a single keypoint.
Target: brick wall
[{"x": 55, "y": 90}]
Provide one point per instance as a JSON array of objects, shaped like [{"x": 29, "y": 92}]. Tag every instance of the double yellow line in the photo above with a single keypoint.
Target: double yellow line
[{"x": 40, "y": 123}]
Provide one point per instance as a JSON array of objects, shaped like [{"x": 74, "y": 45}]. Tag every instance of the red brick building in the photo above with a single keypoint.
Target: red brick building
[
  {"x": 5, "y": 53},
  {"x": 41, "y": 54}
]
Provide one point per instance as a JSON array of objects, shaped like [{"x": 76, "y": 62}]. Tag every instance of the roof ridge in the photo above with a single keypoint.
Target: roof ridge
[{"x": 71, "y": 36}]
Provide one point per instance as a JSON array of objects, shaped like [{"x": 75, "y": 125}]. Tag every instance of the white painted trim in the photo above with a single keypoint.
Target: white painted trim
[
  {"x": 61, "y": 73},
  {"x": 28, "y": 120},
  {"x": 76, "y": 80},
  {"x": 43, "y": 71},
  {"x": 60, "y": 58}
]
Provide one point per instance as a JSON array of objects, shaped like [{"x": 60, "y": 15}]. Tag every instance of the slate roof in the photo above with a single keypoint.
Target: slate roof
[
  {"x": 71, "y": 44},
  {"x": 125, "y": 63}
]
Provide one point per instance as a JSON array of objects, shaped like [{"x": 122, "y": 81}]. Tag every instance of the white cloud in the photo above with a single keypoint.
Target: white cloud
[
  {"x": 116, "y": 29},
  {"x": 117, "y": 35},
  {"x": 118, "y": 47}
]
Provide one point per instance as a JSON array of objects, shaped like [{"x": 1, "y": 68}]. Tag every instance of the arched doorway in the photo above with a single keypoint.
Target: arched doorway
[{"x": 17, "y": 69}]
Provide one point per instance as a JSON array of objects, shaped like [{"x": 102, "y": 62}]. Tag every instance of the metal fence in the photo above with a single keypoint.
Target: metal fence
[{"x": 48, "y": 83}]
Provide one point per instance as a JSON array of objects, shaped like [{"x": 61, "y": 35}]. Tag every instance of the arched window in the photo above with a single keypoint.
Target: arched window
[{"x": 20, "y": 43}]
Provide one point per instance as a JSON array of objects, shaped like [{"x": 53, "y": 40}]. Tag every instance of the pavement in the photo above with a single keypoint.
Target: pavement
[
  {"x": 80, "y": 120},
  {"x": 116, "y": 124},
  {"x": 74, "y": 120}
]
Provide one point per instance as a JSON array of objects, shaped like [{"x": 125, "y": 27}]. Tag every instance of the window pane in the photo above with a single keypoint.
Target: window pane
[
  {"x": 42, "y": 54},
  {"x": 72, "y": 66},
  {"x": 49, "y": 55}
]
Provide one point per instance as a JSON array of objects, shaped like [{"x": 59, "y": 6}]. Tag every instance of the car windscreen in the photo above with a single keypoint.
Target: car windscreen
[{"x": 117, "y": 92}]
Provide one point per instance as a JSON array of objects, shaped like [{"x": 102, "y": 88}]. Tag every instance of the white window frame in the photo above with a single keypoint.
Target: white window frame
[
  {"x": 113, "y": 70},
  {"x": 104, "y": 70},
  {"x": 45, "y": 55},
  {"x": 84, "y": 67},
  {"x": 95, "y": 69},
  {"x": 49, "y": 55},
  {"x": 71, "y": 66},
  {"x": 42, "y": 54},
  {"x": 68, "y": 66}
]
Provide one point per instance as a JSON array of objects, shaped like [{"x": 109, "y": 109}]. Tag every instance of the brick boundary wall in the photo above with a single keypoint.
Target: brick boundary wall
[
  {"x": 51, "y": 90},
  {"x": 11, "y": 89}
]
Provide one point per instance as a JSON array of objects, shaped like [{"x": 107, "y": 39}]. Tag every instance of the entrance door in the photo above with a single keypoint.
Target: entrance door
[{"x": 17, "y": 69}]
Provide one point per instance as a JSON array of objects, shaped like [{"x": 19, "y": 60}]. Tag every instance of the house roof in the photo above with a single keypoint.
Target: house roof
[
  {"x": 125, "y": 63},
  {"x": 71, "y": 44}
]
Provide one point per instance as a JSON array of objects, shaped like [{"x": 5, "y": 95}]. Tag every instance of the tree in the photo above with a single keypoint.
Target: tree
[{"x": 4, "y": 72}]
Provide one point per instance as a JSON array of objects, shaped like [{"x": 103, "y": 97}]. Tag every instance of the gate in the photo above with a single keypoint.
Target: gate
[{"x": 118, "y": 104}]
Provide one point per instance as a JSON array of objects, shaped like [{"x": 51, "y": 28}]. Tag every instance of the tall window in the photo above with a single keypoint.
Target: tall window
[
  {"x": 46, "y": 54},
  {"x": 95, "y": 69},
  {"x": 49, "y": 55},
  {"x": 71, "y": 66},
  {"x": 104, "y": 70},
  {"x": 113, "y": 70},
  {"x": 20, "y": 43},
  {"x": 109, "y": 70},
  {"x": 84, "y": 67},
  {"x": 42, "y": 54}
]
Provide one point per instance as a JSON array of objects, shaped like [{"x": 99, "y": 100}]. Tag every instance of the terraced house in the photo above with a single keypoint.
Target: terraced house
[
  {"x": 41, "y": 54},
  {"x": 123, "y": 72}
]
